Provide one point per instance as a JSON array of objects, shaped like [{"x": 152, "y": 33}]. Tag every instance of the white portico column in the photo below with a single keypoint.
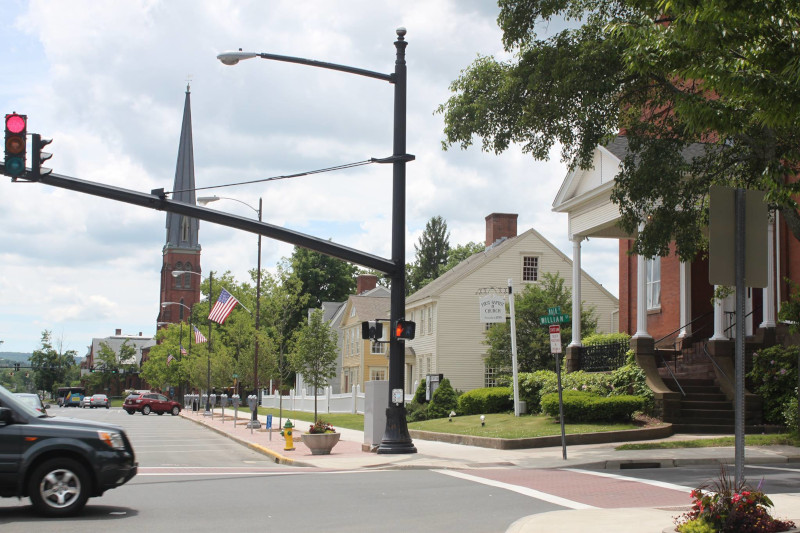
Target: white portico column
[
  {"x": 641, "y": 299},
  {"x": 686, "y": 298},
  {"x": 768, "y": 303},
  {"x": 576, "y": 291},
  {"x": 719, "y": 319}
]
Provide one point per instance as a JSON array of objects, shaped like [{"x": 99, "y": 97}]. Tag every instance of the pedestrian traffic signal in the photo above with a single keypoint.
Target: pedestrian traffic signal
[
  {"x": 404, "y": 329},
  {"x": 371, "y": 329},
  {"x": 16, "y": 367},
  {"x": 38, "y": 157},
  {"x": 16, "y": 128}
]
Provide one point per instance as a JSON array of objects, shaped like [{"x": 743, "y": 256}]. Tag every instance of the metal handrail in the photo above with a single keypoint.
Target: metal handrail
[
  {"x": 666, "y": 365},
  {"x": 714, "y": 362},
  {"x": 704, "y": 315}
]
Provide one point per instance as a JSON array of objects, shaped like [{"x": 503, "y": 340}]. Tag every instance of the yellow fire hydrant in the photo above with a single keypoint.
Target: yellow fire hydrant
[{"x": 286, "y": 433}]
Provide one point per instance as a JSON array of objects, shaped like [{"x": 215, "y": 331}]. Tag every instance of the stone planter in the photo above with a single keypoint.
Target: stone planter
[{"x": 320, "y": 443}]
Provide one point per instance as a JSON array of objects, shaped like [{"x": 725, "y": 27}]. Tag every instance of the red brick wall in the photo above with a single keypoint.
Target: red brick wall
[
  {"x": 169, "y": 293},
  {"x": 499, "y": 225}
]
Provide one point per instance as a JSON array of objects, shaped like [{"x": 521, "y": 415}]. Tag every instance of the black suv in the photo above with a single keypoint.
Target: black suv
[{"x": 59, "y": 462}]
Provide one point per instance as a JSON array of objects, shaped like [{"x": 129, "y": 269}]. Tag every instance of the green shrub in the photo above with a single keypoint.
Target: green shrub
[
  {"x": 534, "y": 385},
  {"x": 443, "y": 401},
  {"x": 631, "y": 379},
  {"x": 486, "y": 400},
  {"x": 774, "y": 378},
  {"x": 416, "y": 412},
  {"x": 419, "y": 394},
  {"x": 602, "y": 338},
  {"x": 790, "y": 414},
  {"x": 582, "y": 406}
]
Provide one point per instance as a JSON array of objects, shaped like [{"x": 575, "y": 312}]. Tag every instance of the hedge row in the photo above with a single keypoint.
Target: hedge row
[
  {"x": 486, "y": 400},
  {"x": 582, "y": 406}
]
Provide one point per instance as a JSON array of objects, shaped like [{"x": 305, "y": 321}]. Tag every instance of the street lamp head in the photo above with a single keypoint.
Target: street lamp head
[
  {"x": 231, "y": 58},
  {"x": 401, "y": 32},
  {"x": 205, "y": 200}
]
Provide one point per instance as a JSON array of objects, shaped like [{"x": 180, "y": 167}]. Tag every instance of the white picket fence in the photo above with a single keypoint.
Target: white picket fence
[{"x": 327, "y": 402}]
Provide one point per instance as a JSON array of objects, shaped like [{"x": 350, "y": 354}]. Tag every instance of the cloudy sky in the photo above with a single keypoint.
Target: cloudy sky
[{"x": 106, "y": 81}]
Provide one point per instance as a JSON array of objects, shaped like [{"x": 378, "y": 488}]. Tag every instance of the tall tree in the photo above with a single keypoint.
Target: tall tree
[
  {"x": 315, "y": 353},
  {"x": 324, "y": 278},
  {"x": 460, "y": 252},
  {"x": 705, "y": 89},
  {"x": 52, "y": 365},
  {"x": 533, "y": 339},
  {"x": 432, "y": 251}
]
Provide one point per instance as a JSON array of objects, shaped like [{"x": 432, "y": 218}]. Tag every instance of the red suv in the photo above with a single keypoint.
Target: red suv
[{"x": 150, "y": 402}]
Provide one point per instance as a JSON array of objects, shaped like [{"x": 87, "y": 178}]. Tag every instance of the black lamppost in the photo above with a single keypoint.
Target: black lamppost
[
  {"x": 180, "y": 335},
  {"x": 396, "y": 438},
  {"x": 205, "y": 200}
]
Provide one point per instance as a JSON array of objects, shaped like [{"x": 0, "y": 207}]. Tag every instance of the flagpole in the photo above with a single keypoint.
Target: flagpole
[{"x": 210, "y": 322}]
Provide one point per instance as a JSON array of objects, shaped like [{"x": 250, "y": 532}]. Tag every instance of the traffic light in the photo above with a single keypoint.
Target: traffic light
[
  {"x": 38, "y": 157},
  {"x": 404, "y": 329},
  {"x": 371, "y": 329},
  {"x": 15, "y": 145},
  {"x": 16, "y": 367}
]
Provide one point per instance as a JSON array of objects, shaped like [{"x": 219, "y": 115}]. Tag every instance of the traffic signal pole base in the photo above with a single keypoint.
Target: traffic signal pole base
[{"x": 396, "y": 438}]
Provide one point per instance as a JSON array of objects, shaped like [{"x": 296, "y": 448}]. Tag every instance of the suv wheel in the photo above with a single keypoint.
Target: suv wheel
[
  {"x": 146, "y": 410},
  {"x": 130, "y": 411},
  {"x": 175, "y": 410},
  {"x": 59, "y": 487}
]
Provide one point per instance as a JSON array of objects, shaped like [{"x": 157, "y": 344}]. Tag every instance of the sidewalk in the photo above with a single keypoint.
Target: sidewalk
[{"x": 348, "y": 455}]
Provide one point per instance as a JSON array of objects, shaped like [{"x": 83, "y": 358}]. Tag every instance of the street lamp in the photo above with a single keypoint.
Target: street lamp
[
  {"x": 396, "y": 438},
  {"x": 180, "y": 335},
  {"x": 175, "y": 274},
  {"x": 205, "y": 200}
]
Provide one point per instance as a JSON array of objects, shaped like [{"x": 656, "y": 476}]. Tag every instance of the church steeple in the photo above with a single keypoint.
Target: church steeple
[
  {"x": 182, "y": 248},
  {"x": 181, "y": 230}
]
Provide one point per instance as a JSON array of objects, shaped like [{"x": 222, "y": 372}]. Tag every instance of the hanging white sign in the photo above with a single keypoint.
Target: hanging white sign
[{"x": 493, "y": 308}]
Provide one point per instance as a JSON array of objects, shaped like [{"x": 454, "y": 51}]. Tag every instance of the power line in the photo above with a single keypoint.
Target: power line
[{"x": 286, "y": 176}]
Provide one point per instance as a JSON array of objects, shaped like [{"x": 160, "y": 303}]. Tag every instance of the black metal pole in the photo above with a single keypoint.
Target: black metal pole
[{"x": 396, "y": 438}]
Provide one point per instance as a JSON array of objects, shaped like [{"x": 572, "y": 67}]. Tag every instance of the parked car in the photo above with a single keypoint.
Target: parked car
[
  {"x": 34, "y": 400},
  {"x": 150, "y": 402},
  {"x": 85, "y": 402},
  {"x": 99, "y": 400},
  {"x": 59, "y": 462}
]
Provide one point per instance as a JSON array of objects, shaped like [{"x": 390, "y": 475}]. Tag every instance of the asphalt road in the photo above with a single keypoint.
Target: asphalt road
[{"x": 193, "y": 479}]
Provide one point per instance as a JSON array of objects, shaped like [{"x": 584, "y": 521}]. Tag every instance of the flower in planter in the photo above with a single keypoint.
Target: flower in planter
[
  {"x": 730, "y": 508},
  {"x": 320, "y": 426}
]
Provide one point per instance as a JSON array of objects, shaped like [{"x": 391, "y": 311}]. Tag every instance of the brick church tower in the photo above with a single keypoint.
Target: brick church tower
[{"x": 182, "y": 249}]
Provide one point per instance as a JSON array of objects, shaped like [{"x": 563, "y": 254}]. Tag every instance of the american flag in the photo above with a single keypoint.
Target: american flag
[
  {"x": 169, "y": 359},
  {"x": 183, "y": 350},
  {"x": 198, "y": 337},
  {"x": 223, "y": 307}
]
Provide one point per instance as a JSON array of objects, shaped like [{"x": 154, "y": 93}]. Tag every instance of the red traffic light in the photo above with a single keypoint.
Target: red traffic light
[
  {"x": 15, "y": 149},
  {"x": 15, "y": 123},
  {"x": 404, "y": 329}
]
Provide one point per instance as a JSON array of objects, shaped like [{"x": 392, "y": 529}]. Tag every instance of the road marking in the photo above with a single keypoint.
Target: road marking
[
  {"x": 782, "y": 468},
  {"x": 662, "y": 484},
  {"x": 550, "y": 498}
]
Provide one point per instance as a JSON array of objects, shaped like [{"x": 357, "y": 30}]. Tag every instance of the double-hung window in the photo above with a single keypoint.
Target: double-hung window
[{"x": 653, "y": 282}]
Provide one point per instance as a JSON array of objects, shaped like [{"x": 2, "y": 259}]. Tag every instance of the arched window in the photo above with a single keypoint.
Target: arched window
[
  {"x": 178, "y": 279},
  {"x": 184, "y": 229},
  {"x": 180, "y": 315},
  {"x": 187, "y": 278}
]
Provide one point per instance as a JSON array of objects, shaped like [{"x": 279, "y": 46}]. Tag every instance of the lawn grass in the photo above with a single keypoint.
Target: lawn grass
[
  {"x": 507, "y": 426},
  {"x": 342, "y": 420},
  {"x": 749, "y": 440}
]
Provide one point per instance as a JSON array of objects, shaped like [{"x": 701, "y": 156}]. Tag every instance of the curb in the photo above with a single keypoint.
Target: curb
[
  {"x": 276, "y": 457},
  {"x": 626, "y": 435}
]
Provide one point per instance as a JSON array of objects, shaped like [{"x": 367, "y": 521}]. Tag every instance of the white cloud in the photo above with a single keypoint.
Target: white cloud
[{"x": 106, "y": 81}]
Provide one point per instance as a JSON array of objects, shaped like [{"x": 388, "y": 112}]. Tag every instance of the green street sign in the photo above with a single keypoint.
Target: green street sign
[
  {"x": 554, "y": 310},
  {"x": 235, "y": 376},
  {"x": 546, "y": 320}
]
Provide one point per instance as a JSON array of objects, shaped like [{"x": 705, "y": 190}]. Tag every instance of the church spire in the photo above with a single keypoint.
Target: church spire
[{"x": 182, "y": 231}]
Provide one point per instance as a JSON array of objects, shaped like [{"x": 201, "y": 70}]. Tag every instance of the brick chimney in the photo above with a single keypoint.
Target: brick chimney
[
  {"x": 366, "y": 282},
  {"x": 118, "y": 332},
  {"x": 499, "y": 225}
]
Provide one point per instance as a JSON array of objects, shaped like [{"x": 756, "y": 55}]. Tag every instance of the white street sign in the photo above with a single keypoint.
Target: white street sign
[
  {"x": 555, "y": 339},
  {"x": 493, "y": 308}
]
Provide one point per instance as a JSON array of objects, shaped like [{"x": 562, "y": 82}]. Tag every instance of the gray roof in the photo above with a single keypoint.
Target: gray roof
[{"x": 619, "y": 147}]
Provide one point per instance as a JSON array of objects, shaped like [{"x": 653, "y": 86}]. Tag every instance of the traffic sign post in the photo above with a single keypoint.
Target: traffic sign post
[{"x": 554, "y": 318}]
